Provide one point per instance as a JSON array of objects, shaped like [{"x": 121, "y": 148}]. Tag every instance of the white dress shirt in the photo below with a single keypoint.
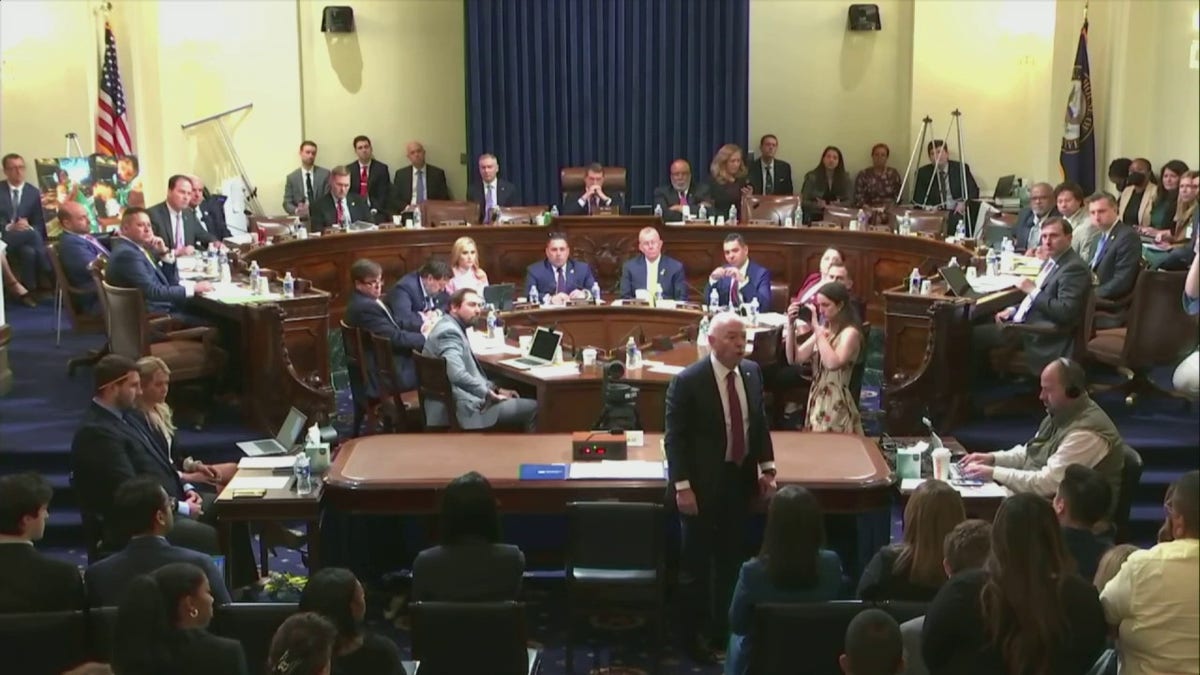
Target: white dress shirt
[
  {"x": 721, "y": 372},
  {"x": 1077, "y": 447}
]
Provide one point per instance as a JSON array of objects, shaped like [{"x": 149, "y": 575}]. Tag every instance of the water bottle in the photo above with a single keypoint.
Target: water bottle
[
  {"x": 493, "y": 322},
  {"x": 702, "y": 214},
  {"x": 633, "y": 356},
  {"x": 213, "y": 263},
  {"x": 713, "y": 299},
  {"x": 303, "y": 471},
  {"x": 732, "y": 215},
  {"x": 906, "y": 223},
  {"x": 533, "y": 295},
  {"x": 223, "y": 264},
  {"x": 255, "y": 275},
  {"x": 553, "y": 212},
  {"x": 953, "y": 262},
  {"x": 546, "y": 300},
  {"x": 914, "y": 282},
  {"x": 1007, "y": 255},
  {"x": 658, "y": 297},
  {"x": 416, "y": 221},
  {"x": 754, "y": 310},
  {"x": 658, "y": 210},
  {"x": 960, "y": 231},
  {"x": 596, "y": 292},
  {"x": 289, "y": 286},
  {"x": 861, "y": 219},
  {"x": 702, "y": 337},
  {"x": 993, "y": 263}
]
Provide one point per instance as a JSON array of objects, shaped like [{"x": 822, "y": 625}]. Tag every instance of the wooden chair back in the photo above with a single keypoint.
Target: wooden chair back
[
  {"x": 929, "y": 221},
  {"x": 436, "y": 213},
  {"x": 125, "y": 313},
  {"x": 771, "y": 209},
  {"x": 434, "y": 384},
  {"x": 518, "y": 215}
]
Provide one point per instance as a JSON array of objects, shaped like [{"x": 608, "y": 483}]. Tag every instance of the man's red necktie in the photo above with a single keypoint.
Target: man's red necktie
[
  {"x": 737, "y": 425},
  {"x": 734, "y": 295},
  {"x": 362, "y": 180},
  {"x": 683, "y": 199},
  {"x": 341, "y": 217}
]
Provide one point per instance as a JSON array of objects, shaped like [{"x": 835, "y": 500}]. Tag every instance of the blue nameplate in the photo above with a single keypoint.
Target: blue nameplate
[{"x": 543, "y": 472}]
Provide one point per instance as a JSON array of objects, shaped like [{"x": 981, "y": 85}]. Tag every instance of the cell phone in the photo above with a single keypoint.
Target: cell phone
[
  {"x": 805, "y": 314},
  {"x": 250, "y": 493}
]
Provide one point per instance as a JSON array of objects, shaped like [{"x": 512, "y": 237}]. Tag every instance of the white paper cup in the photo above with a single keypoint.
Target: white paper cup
[
  {"x": 397, "y": 219},
  {"x": 589, "y": 357},
  {"x": 641, "y": 294},
  {"x": 524, "y": 342}
]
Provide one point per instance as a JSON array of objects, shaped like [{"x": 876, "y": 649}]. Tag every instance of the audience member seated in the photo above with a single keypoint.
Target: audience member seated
[
  {"x": 939, "y": 184},
  {"x": 1068, "y": 201},
  {"x": 77, "y": 249},
  {"x": 558, "y": 276},
  {"x": 593, "y": 199},
  {"x": 1074, "y": 431},
  {"x": 113, "y": 445},
  {"x": 1138, "y": 195},
  {"x": 1057, "y": 298},
  {"x": 1081, "y": 505},
  {"x": 367, "y": 311},
  {"x": 339, "y": 207},
  {"x": 1111, "y": 563},
  {"x": 1187, "y": 374},
  {"x": 652, "y": 271},
  {"x": 335, "y": 594},
  {"x": 681, "y": 193},
  {"x": 1155, "y": 598},
  {"x": 491, "y": 192},
  {"x": 143, "y": 516},
  {"x": 816, "y": 280},
  {"x": 208, "y": 209},
  {"x": 29, "y": 580},
  {"x": 175, "y": 222},
  {"x": 1162, "y": 212},
  {"x": 1118, "y": 173},
  {"x": 24, "y": 225},
  {"x": 1179, "y": 229},
  {"x": 478, "y": 402},
  {"x": 878, "y": 185},
  {"x": 1118, "y": 256},
  {"x": 370, "y": 179},
  {"x": 161, "y": 627},
  {"x": 768, "y": 175},
  {"x": 740, "y": 281},
  {"x": 142, "y": 260},
  {"x": 1027, "y": 234},
  {"x": 419, "y": 297},
  {"x": 306, "y": 184},
  {"x": 793, "y": 565},
  {"x": 416, "y": 183},
  {"x": 829, "y": 183},
  {"x": 1024, "y": 612},
  {"x": 913, "y": 570},
  {"x": 729, "y": 180},
  {"x": 464, "y": 267},
  {"x": 470, "y": 564},
  {"x": 12, "y": 286},
  {"x": 965, "y": 548},
  {"x": 873, "y": 645},
  {"x": 302, "y": 645},
  {"x": 833, "y": 346}
]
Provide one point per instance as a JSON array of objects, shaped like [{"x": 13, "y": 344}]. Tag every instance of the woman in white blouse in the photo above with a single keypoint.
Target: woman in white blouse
[{"x": 464, "y": 262}]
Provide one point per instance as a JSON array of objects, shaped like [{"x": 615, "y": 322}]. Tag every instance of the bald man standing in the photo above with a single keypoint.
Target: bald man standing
[
  {"x": 680, "y": 192},
  {"x": 418, "y": 182},
  {"x": 77, "y": 248}
]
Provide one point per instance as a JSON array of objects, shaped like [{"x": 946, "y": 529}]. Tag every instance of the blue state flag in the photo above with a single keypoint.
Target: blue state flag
[{"x": 1078, "y": 154}]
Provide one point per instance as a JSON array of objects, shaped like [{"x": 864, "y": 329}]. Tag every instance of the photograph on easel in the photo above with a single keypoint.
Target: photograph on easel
[{"x": 102, "y": 184}]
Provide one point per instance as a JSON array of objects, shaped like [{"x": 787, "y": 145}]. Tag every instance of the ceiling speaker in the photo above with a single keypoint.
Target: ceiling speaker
[
  {"x": 864, "y": 17},
  {"x": 337, "y": 19}
]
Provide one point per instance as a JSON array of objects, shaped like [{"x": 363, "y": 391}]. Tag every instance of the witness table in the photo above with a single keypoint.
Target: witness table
[{"x": 280, "y": 505}]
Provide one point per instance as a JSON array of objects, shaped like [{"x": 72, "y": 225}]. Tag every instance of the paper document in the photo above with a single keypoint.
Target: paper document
[
  {"x": 667, "y": 369},
  {"x": 236, "y": 294},
  {"x": 772, "y": 319},
  {"x": 617, "y": 470},
  {"x": 565, "y": 370},
  {"x": 271, "y": 462},
  {"x": 991, "y": 284},
  {"x": 486, "y": 347},
  {"x": 987, "y": 490},
  {"x": 258, "y": 483}
]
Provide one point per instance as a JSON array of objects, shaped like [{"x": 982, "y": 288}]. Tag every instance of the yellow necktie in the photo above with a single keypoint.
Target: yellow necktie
[{"x": 652, "y": 281}]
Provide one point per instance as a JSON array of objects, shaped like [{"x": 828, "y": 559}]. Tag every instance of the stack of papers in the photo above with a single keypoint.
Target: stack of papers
[
  {"x": 772, "y": 319},
  {"x": 617, "y": 470},
  {"x": 485, "y": 347},
  {"x": 258, "y": 483},
  {"x": 984, "y": 491},
  {"x": 273, "y": 462},
  {"x": 563, "y": 370},
  {"x": 991, "y": 284},
  {"x": 666, "y": 369},
  {"x": 236, "y": 294}
]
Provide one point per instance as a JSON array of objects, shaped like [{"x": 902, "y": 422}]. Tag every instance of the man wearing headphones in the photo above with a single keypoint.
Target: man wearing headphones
[{"x": 1074, "y": 431}]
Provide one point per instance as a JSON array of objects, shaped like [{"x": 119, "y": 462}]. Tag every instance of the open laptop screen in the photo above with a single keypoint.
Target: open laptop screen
[
  {"x": 291, "y": 429},
  {"x": 545, "y": 343}
]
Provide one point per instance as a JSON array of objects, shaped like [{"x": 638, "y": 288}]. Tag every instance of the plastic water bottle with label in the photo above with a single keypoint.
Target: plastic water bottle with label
[
  {"x": 702, "y": 214},
  {"x": 596, "y": 292},
  {"x": 860, "y": 221},
  {"x": 658, "y": 211},
  {"x": 914, "y": 282},
  {"x": 493, "y": 322},
  {"x": 553, "y": 212},
  {"x": 303, "y": 473},
  {"x": 754, "y": 310},
  {"x": 702, "y": 337},
  {"x": 993, "y": 262},
  {"x": 960, "y": 232},
  {"x": 713, "y": 299},
  {"x": 1007, "y": 256},
  {"x": 533, "y": 295},
  {"x": 658, "y": 297},
  {"x": 223, "y": 263},
  {"x": 906, "y": 223},
  {"x": 416, "y": 220},
  {"x": 255, "y": 275},
  {"x": 633, "y": 355},
  {"x": 732, "y": 216},
  {"x": 289, "y": 286}
]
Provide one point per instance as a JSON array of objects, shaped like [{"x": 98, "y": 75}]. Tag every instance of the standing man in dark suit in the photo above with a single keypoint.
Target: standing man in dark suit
[
  {"x": 740, "y": 280},
  {"x": 113, "y": 445},
  {"x": 174, "y": 221},
  {"x": 939, "y": 184},
  {"x": 367, "y": 311},
  {"x": 720, "y": 458},
  {"x": 30, "y": 581},
  {"x": 340, "y": 206},
  {"x": 306, "y": 184},
  {"x": 24, "y": 225},
  {"x": 369, "y": 178},
  {"x": 593, "y": 199},
  {"x": 770, "y": 176},
  {"x": 417, "y": 182},
  {"x": 557, "y": 275},
  {"x": 1118, "y": 256},
  {"x": 143, "y": 261},
  {"x": 208, "y": 209},
  {"x": 1027, "y": 233},
  {"x": 491, "y": 192},
  {"x": 418, "y": 296},
  {"x": 681, "y": 192},
  {"x": 1058, "y": 298},
  {"x": 77, "y": 248},
  {"x": 653, "y": 271}
]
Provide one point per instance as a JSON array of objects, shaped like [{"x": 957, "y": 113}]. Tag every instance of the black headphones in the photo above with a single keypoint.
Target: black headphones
[{"x": 1073, "y": 377}]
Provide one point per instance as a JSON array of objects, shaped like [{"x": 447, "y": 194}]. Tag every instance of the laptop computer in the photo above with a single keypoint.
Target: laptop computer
[
  {"x": 1004, "y": 186},
  {"x": 282, "y": 444},
  {"x": 956, "y": 281},
  {"x": 541, "y": 350},
  {"x": 499, "y": 296}
]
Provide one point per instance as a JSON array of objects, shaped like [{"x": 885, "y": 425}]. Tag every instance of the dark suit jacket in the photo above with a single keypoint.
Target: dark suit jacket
[
  {"x": 474, "y": 571},
  {"x": 76, "y": 253},
  {"x": 577, "y": 276},
  {"x": 32, "y": 582},
  {"x": 782, "y": 175},
  {"x": 724, "y": 195},
  {"x": 202, "y": 653},
  {"x": 108, "y": 451},
  {"x": 407, "y": 301},
  {"x": 928, "y": 192},
  {"x": 758, "y": 285},
  {"x": 128, "y": 267},
  {"x": 671, "y": 278},
  {"x": 1061, "y": 302},
  {"x": 379, "y": 184},
  {"x": 436, "y": 187},
  {"x": 30, "y": 207},
  {"x": 212, "y": 210},
  {"x": 1024, "y": 228},
  {"x": 667, "y": 196},
  {"x": 1117, "y": 266},
  {"x": 571, "y": 207},
  {"x": 323, "y": 212},
  {"x": 695, "y": 435},
  {"x": 506, "y": 194},
  {"x": 364, "y": 313},
  {"x": 193, "y": 232},
  {"x": 107, "y": 579}
]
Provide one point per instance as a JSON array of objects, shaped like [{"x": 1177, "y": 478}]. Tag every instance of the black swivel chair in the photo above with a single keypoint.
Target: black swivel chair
[
  {"x": 781, "y": 629},
  {"x": 1131, "y": 476},
  {"x": 43, "y": 643},
  {"x": 451, "y": 638},
  {"x": 101, "y": 629},
  {"x": 253, "y": 624}
]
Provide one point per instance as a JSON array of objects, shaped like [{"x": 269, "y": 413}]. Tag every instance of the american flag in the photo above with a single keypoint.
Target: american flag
[{"x": 112, "y": 118}]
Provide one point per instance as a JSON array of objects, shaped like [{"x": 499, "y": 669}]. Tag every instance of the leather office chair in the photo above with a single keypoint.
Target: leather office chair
[
  {"x": 190, "y": 353},
  {"x": 995, "y": 231},
  {"x": 439, "y": 213},
  {"x": 571, "y": 181},
  {"x": 1114, "y": 312},
  {"x": 403, "y": 409},
  {"x": 518, "y": 215},
  {"x": 1135, "y": 349},
  {"x": 822, "y": 625},
  {"x": 43, "y": 642},
  {"x": 840, "y": 215},
  {"x": 780, "y": 297},
  {"x": 928, "y": 221},
  {"x": 253, "y": 624},
  {"x": 64, "y": 295},
  {"x": 616, "y": 561},
  {"x": 452, "y": 638},
  {"x": 101, "y": 627},
  {"x": 767, "y": 348},
  {"x": 771, "y": 209},
  {"x": 903, "y": 610},
  {"x": 434, "y": 384},
  {"x": 366, "y": 408},
  {"x": 827, "y": 225},
  {"x": 1131, "y": 477},
  {"x": 272, "y": 226}
]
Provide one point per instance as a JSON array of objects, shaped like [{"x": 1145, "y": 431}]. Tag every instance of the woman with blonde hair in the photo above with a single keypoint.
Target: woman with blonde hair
[
  {"x": 913, "y": 570},
  {"x": 152, "y": 403},
  {"x": 729, "y": 181},
  {"x": 1110, "y": 563},
  {"x": 464, "y": 263}
]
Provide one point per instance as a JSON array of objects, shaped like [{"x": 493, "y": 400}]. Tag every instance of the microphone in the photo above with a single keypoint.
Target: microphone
[{"x": 934, "y": 441}]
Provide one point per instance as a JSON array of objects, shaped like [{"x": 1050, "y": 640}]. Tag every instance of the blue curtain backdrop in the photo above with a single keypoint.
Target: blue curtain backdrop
[{"x": 633, "y": 83}]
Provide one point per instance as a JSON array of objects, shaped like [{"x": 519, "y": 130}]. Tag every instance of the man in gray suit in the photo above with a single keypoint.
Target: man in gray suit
[
  {"x": 478, "y": 403},
  {"x": 304, "y": 185}
]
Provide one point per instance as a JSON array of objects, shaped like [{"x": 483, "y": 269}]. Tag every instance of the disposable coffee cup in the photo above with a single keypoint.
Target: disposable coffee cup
[{"x": 589, "y": 357}]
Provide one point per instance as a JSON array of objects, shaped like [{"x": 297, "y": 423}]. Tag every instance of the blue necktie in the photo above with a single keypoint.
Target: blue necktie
[
  {"x": 420, "y": 186},
  {"x": 1099, "y": 251}
]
